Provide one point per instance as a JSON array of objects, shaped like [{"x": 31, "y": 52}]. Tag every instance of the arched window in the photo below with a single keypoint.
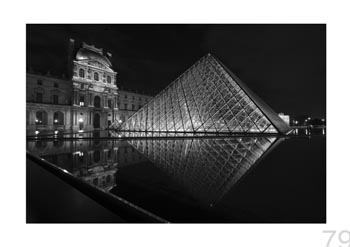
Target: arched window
[
  {"x": 58, "y": 118},
  {"x": 81, "y": 73},
  {"x": 41, "y": 118},
  {"x": 96, "y": 77},
  {"x": 97, "y": 101},
  {"x": 109, "y": 79}
]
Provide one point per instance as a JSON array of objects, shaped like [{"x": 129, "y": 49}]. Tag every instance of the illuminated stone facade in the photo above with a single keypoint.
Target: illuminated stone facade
[{"x": 87, "y": 100}]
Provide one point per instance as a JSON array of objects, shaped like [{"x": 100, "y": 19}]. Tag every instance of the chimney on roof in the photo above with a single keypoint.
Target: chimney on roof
[{"x": 70, "y": 57}]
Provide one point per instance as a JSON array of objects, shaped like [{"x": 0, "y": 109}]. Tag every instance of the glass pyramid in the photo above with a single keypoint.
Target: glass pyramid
[
  {"x": 206, "y": 168},
  {"x": 206, "y": 98}
]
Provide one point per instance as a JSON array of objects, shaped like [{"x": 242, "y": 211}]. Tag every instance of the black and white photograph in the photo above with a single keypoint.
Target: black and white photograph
[
  {"x": 175, "y": 123},
  {"x": 178, "y": 123}
]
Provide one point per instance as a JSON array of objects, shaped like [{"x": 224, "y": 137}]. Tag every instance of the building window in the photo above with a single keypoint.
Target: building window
[
  {"x": 39, "y": 82},
  {"x": 39, "y": 97},
  {"x": 96, "y": 77},
  {"x": 109, "y": 79},
  {"x": 96, "y": 156},
  {"x": 81, "y": 100},
  {"x": 81, "y": 86},
  {"x": 41, "y": 118},
  {"x": 133, "y": 107},
  {"x": 110, "y": 104},
  {"x": 140, "y": 99},
  {"x": 140, "y": 106},
  {"x": 55, "y": 99},
  {"x": 133, "y": 97},
  {"x": 125, "y": 106},
  {"x": 81, "y": 73},
  {"x": 97, "y": 101},
  {"x": 125, "y": 96},
  {"x": 55, "y": 84},
  {"x": 58, "y": 118}
]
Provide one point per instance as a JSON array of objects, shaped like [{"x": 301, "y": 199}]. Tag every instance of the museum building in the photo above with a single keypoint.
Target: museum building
[{"x": 89, "y": 99}]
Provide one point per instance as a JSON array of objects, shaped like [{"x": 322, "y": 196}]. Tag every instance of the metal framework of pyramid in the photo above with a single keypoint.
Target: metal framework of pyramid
[{"x": 206, "y": 98}]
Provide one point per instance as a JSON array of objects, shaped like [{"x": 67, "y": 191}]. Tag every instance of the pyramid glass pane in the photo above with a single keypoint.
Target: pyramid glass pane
[{"x": 206, "y": 98}]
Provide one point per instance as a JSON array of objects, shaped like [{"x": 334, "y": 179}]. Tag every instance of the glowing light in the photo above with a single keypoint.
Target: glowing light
[
  {"x": 55, "y": 120},
  {"x": 309, "y": 118},
  {"x": 37, "y": 132},
  {"x": 56, "y": 132},
  {"x": 80, "y": 131},
  {"x": 120, "y": 121},
  {"x": 323, "y": 131},
  {"x": 322, "y": 119},
  {"x": 119, "y": 136},
  {"x": 81, "y": 120},
  {"x": 296, "y": 122},
  {"x": 36, "y": 120}
]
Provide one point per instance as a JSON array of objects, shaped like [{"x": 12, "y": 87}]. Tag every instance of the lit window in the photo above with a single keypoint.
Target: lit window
[
  {"x": 41, "y": 118},
  {"x": 58, "y": 118},
  {"x": 96, "y": 77},
  {"x": 81, "y": 73},
  {"x": 81, "y": 101},
  {"x": 109, "y": 79}
]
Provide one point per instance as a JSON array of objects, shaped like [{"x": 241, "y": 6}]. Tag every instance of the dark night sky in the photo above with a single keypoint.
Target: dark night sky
[{"x": 284, "y": 64}]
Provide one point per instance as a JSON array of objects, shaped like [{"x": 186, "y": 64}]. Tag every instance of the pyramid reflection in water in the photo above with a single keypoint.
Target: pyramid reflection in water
[
  {"x": 206, "y": 168},
  {"x": 206, "y": 98}
]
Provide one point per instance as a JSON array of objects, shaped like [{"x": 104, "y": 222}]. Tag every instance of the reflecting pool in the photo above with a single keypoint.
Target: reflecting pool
[{"x": 240, "y": 179}]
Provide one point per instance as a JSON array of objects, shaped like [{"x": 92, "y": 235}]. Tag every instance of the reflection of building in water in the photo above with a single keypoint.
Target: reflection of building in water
[
  {"x": 94, "y": 161},
  {"x": 207, "y": 168}
]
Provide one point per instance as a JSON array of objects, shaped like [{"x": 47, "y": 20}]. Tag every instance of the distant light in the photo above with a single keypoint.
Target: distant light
[
  {"x": 296, "y": 122},
  {"x": 36, "y": 120},
  {"x": 81, "y": 120},
  {"x": 322, "y": 119},
  {"x": 309, "y": 118},
  {"x": 56, "y": 132},
  {"x": 37, "y": 132},
  {"x": 120, "y": 121},
  {"x": 80, "y": 131},
  {"x": 56, "y": 120},
  {"x": 119, "y": 136}
]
